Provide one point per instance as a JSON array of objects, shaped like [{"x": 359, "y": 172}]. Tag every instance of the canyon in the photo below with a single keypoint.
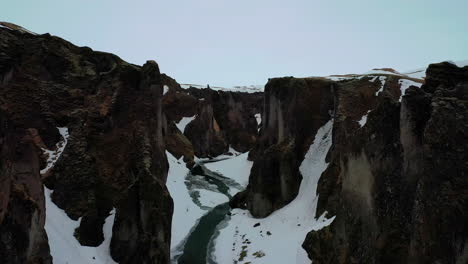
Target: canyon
[{"x": 103, "y": 161}]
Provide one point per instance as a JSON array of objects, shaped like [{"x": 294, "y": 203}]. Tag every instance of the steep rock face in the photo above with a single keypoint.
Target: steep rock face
[
  {"x": 176, "y": 105},
  {"x": 441, "y": 198},
  {"x": 220, "y": 119},
  {"x": 178, "y": 144},
  {"x": 115, "y": 156},
  {"x": 398, "y": 185},
  {"x": 294, "y": 110},
  {"x": 22, "y": 209},
  {"x": 205, "y": 134},
  {"x": 234, "y": 113}
]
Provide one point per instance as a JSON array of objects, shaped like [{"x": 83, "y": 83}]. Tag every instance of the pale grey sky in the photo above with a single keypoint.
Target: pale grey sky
[{"x": 242, "y": 42}]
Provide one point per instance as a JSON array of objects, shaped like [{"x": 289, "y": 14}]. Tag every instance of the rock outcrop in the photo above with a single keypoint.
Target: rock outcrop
[
  {"x": 220, "y": 119},
  {"x": 120, "y": 118},
  {"x": 114, "y": 158},
  {"x": 398, "y": 184},
  {"x": 396, "y": 177},
  {"x": 22, "y": 208},
  {"x": 294, "y": 110},
  {"x": 205, "y": 133},
  {"x": 234, "y": 114}
]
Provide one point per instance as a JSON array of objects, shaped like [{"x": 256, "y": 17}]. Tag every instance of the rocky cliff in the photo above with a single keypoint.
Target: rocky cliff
[
  {"x": 294, "y": 110},
  {"x": 22, "y": 212},
  {"x": 398, "y": 185},
  {"x": 396, "y": 175},
  {"x": 115, "y": 153},
  {"x": 94, "y": 129},
  {"x": 218, "y": 120}
]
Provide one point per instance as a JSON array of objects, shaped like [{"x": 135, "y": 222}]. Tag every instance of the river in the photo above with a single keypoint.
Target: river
[{"x": 197, "y": 246}]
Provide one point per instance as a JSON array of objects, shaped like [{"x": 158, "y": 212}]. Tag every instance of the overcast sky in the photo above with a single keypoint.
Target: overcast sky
[{"x": 242, "y": 42}]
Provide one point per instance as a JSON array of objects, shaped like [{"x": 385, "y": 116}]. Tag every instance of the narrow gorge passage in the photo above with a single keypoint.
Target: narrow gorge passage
[{"x": 195, "y": 249}]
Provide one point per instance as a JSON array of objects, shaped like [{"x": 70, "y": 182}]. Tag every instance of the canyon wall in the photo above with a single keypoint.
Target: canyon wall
[
  {"x": 294, "y": 110},
  {"x": 396, "y": 176},
  {"x": 220, "y": 120},
  {"x": 22, "y": 206},
  {"x": 120, "y": 119},
  {"x": 398, "y": 184},
  {"x": 115, "y": 154}
]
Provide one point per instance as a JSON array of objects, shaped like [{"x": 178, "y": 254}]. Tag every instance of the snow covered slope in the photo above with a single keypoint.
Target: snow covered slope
[
  {"x": 53, "y": 155},
  {"x": 64, "y": 247},
  {"x": 236, "y": 168},
  {"x": 278, "y": 237},
  {"x": 184, "y": 122}
]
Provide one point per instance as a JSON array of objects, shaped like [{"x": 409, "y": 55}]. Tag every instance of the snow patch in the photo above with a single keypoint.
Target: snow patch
[
  {"x": 417, "y": 74},
  {"x": 184, "y": 122},
  {"x": 64, "y": 247},
  {"x": 382, "y": 72},
  {"x": 338, "y": 78},
  {"x": 405, "y": 84},
  {"x": 278, "y": 237},
  {"x": 212, "y": 198},
  {"x": 258, "y": 117},
  {"x": 382, "y": 84},
  {"x": 231, "y": 153},
  {"x": 363, "y": 120},
  {"x": 165, "y": 89},
  {"x": 236, "y": 168},
  {"x": 54, "y": 155}
]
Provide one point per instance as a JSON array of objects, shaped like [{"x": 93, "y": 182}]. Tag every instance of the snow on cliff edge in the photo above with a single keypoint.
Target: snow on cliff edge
[{"x": 242, "y": 89}]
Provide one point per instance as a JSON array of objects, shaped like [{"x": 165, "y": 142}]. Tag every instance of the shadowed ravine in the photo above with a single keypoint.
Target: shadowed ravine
[{"x": 195, "y": 250}]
